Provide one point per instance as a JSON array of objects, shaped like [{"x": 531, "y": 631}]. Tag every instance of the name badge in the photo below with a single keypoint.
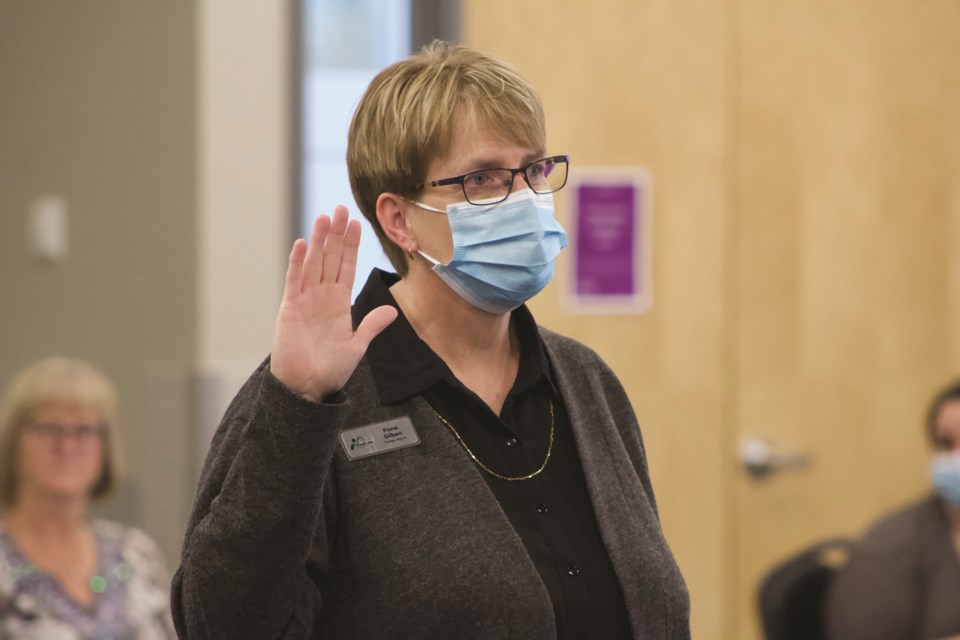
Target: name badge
[{"x": 380, "y": 437}]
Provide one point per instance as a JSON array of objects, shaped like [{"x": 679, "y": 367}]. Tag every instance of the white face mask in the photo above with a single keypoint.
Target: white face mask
[{"x": 503, "y": 254}]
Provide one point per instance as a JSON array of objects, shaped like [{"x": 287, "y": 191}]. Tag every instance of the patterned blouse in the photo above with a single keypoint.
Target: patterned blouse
[{"x": 132, "y": 593}]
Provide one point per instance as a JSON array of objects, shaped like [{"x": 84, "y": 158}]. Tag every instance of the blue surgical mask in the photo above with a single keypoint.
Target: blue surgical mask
[
  {"x": 503, "y": 254},
  {"x": 945, "y": 470}
]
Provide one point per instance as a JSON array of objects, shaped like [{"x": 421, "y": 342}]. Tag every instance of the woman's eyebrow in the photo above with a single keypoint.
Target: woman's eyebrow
[{"x": 481, "y": 162}]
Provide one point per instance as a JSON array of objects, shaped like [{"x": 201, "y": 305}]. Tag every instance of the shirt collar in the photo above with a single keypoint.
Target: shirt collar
[{"x": 403, "y": 365}]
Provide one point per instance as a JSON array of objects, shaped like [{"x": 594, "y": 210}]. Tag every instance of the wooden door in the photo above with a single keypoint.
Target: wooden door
[{"x": 846, "y": 215}]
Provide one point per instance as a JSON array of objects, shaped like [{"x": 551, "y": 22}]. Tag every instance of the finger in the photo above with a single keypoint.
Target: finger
[
  {"x": 291, "y": 286},
  {"x": 374, "y": 323},
  {"x": 313, "y": 262},
  {"x": 333, "y": 249},
  {"x": 348, "y": 262}
]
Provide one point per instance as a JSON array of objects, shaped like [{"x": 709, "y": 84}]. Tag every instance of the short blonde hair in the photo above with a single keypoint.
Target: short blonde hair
[
  {"x": 49, "y": 382},
  {"x": 405, "y": 120}
]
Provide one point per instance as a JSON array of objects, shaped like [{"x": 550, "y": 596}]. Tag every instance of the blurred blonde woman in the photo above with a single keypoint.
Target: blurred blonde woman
[{"x": 64, "y": 575}]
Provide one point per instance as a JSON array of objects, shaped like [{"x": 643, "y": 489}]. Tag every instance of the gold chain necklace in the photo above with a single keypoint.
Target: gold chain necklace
[{"x": 491, "y": 471}]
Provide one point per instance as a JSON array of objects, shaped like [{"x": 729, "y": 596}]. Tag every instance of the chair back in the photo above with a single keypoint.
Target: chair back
[{"x": 792, "y": 595}]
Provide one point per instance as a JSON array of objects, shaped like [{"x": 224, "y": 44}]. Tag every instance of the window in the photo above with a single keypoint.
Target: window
[{"x": 345, "y": 43}]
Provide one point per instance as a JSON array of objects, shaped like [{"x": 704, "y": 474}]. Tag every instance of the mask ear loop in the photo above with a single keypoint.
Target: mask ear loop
[
  {"x": 412, "y": 253},
  {"x": 436, "y": 263},
  {"x": 426, "y": 207}
]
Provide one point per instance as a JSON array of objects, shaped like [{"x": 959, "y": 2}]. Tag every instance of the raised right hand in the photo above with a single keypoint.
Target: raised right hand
[{"x": 315, "y": 349}]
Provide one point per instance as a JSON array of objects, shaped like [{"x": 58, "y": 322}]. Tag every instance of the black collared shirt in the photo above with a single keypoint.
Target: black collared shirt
[{"x": 551, "y": 513}]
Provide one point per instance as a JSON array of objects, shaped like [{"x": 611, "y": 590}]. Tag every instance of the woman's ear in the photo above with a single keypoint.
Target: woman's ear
[{"x": 392, "y": 215}]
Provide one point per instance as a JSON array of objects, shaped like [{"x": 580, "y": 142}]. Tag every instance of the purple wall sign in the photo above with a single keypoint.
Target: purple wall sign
[{"x": 609, "y": 234}]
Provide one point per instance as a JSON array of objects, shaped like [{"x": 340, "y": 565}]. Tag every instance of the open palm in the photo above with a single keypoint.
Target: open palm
[{"x": 315, "y": 349}]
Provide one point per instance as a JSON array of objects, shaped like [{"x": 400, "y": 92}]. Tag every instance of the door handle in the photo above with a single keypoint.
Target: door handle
[{"x": 760, "y": 458}]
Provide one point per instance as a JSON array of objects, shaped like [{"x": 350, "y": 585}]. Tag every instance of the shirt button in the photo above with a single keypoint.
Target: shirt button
[
  {"x": 512, "y": 442},
  {"x": 573, "y": 571},
  {"x": 542, "y": 508}
]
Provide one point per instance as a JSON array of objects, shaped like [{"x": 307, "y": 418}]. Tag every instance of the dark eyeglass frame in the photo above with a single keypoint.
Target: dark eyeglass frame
[
  {"x": 513, "y": 174},
  {"x": 52, "y": 432}
]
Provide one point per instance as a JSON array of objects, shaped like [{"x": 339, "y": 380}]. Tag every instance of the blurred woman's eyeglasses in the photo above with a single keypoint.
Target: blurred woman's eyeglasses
[{"x": 84, "y": 435}]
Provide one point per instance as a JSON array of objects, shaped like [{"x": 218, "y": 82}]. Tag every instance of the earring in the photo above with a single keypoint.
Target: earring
[{"x": 411, "y": 254}]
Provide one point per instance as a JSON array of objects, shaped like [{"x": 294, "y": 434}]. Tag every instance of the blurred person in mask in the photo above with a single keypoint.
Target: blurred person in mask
[
  {"x": 63, "y": 574},
  {"x": 903, "y": 578}
]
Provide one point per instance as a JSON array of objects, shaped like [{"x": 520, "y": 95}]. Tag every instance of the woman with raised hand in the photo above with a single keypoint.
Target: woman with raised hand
[{"x": 431, "y": 463}]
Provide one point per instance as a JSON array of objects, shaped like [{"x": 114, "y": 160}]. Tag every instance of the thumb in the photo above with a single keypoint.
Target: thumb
[{"x": 374, "y": 323}]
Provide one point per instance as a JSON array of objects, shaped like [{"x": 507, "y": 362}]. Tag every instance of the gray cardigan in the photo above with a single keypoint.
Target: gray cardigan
[{"x": 291, "y": 539}]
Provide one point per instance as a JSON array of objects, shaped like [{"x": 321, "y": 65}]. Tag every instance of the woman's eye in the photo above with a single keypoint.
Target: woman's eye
[
  {"x": 478, "y": 179},
  {"x": 48, "y": 430},
  {"x": 535, "y": 170}
]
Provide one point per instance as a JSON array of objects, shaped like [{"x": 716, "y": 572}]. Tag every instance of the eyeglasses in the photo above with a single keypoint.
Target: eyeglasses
[
  {"x": 490, "y": 186},
  {"x": 84, "y": 435}
]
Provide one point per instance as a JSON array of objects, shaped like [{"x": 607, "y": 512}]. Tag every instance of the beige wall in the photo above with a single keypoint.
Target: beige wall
[
  {"x": 243, "y": 175},
  {"x": 97, "y": 106},
  {"x": 164, "y": 127},
  {"x": 243, "y": 199}
]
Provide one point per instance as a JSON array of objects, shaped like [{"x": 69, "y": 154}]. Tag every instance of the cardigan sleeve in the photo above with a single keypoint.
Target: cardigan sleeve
[
  {"x": 629, "y": 427},
  {"x": 615, "y": 467},
  {"x": 256, "y": 517},
  {"x": 604, "y": 393}
]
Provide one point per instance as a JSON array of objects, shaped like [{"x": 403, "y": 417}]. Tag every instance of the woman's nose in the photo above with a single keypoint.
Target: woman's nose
[{"x": 519, "y": 183}]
